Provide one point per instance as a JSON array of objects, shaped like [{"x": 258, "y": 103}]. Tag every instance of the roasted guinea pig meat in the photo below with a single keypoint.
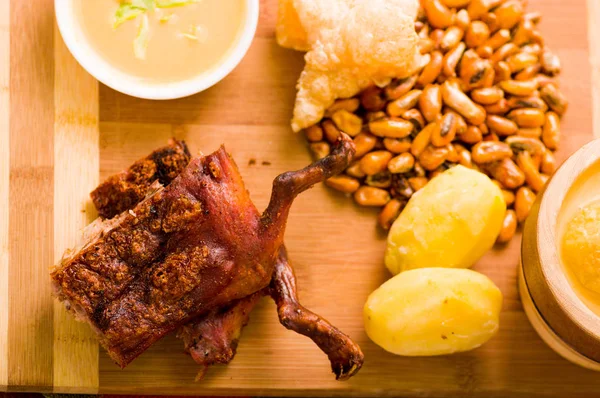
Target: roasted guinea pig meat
[
  {"x": 122, "y": 191},
  {"x": 190, "y": 248}
]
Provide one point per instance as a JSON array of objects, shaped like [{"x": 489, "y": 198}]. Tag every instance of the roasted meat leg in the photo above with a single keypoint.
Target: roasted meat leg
[
  {"x": 200, "y": 336},
  {"x": 213, "y": 338},
  {"x": 194, "y": 246}
]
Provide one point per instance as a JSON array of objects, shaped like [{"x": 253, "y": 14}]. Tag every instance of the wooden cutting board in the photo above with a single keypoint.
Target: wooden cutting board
[{"x": 60, "y": 133}]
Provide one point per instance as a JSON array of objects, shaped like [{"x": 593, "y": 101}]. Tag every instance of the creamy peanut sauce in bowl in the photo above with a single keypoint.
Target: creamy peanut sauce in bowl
[{"x": 158, "y": 49}]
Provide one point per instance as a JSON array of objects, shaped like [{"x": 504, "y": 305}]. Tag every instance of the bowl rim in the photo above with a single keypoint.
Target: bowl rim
[
  {"x": 112, "y": 77},
  {"x": 554, "y": 297}
]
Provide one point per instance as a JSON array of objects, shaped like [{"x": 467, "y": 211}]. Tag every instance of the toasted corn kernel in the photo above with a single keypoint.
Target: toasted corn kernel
[
  {"x": 354, "y": 170},
  {"x": 502, "y": 71},
  {"x": 523, "y": 33},
  {"x": 348, "y": 104},
  {"x": 471, "y": 136},
  {"x": 532, "y": 175},
  {"x": 320, "y": 149},
  {"x": 462, "y": 19},
  {"x": 533, "y": 48},
  {"x": 490, "y": 151},
  {"x": 451, "y": 59},
  {"x": 548, "y": 164},
  {"x": 497, "y": 40},
  {"x": 521, "y": 60},
  {"x": 478, "y": 8},
  {"x": 477, "y": 34},
  {"x": 523, "y": 202},
  {"x": 343, "y": 183},
  {"x": 476, "y": 73},
  {"x": 464, "y": 156},
  {"x": 416, "y": 118},
  {"x": 484, "y": 51},
  {"x": 532, "y": 145},
  {"x": 371, "y": 196},
  {"x": 452, "y": 37},
  {"x": 391, "y": 127},
  {"x": 432, "y": 70},
  {"x": 397, "y": 145},
  {"x": 402, "y": 163},
  {"x": 430, "y": 102},
  {"x": 509, "y": 14},
  {"x": 417, "y": 183},
  {"x": 364, "y": 143},
  {"x": 460, "y": 102},
  {"x": 509, "y": 227},
  {"x": 372, "y": 99},
  {"x": 418, "y": 170},
  {"x": 438, "y": 15},
  {"x": 426, "y": 45},
  {"x": 390, "y": 213},
  {"x": 379, "y": 180},
  {"x": 431, "y": 158},
  {"x": 492, "y": 21},
  {"x": 332, "y": 133},
  {"x": 554, "y": 98},
  {"x": 314, "y": 133},
  {"x": 453, "y": 155},
  {"x": 501, "y": 125},
  {"x": 404, "y": 103},
  {"x": 528, "y": 117},
  {"x": 519, "y": 87},
  {"x": 527, "y": 102},
  {"x": 447, "y": 131},
  {"x": 504, "y": 52},
  {"x": 348, "y": 122},
  {"x": 551, "y": 131},
  {"x": 484, "y": 129},
  {"x": 461, "y": 124},
  {"x": 507, "y": 172},
  {"x": 535, "y": 132},
  {"x": 375, "y": 162},
  {"x": 370, "y": 116},
  {"x": 529, "y": 73},
  {"x": 499, "y": 108},
  {"x": 508, "y": 196},
  {"x": 398, "y": 87},
  {"x": 487, "y": 95},
  {"x": 437, "y": 35},
  {"x": 401, "y": 187},
  {"x": 423, "y": 139},
  {"x": 550, "y": 63}
]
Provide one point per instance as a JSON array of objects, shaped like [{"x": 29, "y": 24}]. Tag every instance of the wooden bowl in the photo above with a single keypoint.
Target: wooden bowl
[{"x": 557, "y": 311}]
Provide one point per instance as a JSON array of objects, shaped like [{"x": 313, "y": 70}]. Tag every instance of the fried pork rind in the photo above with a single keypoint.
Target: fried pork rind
[{"x": 353, "y": 44}]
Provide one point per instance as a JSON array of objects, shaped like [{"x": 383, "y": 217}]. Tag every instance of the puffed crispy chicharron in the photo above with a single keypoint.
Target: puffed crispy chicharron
[{"x": 351, "y": 44}]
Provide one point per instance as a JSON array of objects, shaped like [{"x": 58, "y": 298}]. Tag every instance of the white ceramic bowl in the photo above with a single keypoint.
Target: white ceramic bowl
[{"x": 106, "y": 73}]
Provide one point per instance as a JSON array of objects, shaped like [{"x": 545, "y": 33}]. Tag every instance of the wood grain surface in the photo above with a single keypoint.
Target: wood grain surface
[
  {"x": 335, "y": 246},
  {"x": 4, "y": 176},
  {"x": 76, "y": 162}
]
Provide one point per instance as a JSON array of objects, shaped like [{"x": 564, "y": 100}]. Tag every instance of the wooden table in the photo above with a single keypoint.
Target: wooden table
[{"x": 60, "y": 133}]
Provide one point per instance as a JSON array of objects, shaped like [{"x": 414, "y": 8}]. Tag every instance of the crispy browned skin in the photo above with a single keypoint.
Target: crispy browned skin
[
  {"x": 196, "y": 245},
  {"x": 126, "y": 189}
]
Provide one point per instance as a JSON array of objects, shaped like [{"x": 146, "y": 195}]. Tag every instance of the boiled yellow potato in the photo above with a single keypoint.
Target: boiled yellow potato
[
  {"x": 433, "y": 311},
  {"x": 451, "y": 222}
]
